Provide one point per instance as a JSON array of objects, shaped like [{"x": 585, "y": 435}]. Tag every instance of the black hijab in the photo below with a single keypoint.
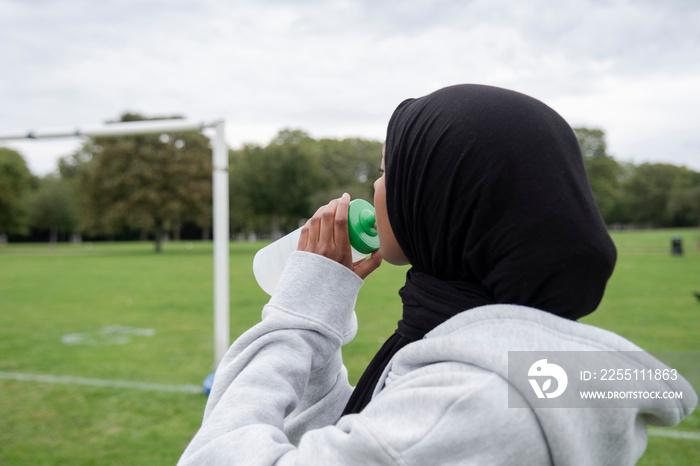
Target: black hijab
[{"x": 488, "y": 198}]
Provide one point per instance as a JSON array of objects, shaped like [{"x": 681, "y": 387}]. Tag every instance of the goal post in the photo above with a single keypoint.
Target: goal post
[{"x": 220, "y": 187}]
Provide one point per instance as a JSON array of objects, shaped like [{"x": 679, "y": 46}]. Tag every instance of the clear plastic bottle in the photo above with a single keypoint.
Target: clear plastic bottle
[{"x": 269, "y": 262}]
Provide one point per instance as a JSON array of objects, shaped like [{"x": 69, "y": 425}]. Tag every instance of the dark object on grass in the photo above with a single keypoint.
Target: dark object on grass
[
  {"x": 676, "y": 246},
  {"x": 697, "y": 295}
]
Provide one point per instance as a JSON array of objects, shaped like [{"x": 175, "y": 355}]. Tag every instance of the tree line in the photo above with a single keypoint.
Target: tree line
[
  {"x": 153, "y": 186},
  {"x": 644, "y": 195},
  {"x": 149, "y": 186}
]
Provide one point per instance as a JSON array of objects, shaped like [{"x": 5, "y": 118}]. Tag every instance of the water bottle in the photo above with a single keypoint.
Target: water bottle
[{"x": 269, "y": 262}]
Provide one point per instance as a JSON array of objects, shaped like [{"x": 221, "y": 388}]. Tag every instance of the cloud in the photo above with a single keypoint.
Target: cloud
[{"x": 339, "y": 68}]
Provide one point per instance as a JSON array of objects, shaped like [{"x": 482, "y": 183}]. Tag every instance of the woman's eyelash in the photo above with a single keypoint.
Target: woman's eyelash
[{"x": 380, "y": 169}]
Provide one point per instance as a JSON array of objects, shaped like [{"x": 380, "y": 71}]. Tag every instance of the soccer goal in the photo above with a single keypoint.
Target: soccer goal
[{"x": 220, "y": 196}]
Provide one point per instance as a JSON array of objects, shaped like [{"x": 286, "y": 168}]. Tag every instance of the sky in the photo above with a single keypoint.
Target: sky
[{"x": 339, "y": 68}]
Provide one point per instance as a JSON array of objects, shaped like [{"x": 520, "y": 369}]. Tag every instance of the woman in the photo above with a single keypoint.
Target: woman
[{"x": 484, "y": 193}]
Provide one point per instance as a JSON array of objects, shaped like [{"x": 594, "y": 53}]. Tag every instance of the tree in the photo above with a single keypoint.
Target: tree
[
  {"x": 15, "y": 180},
  {"x": 351, "y": 164},
  {"x": 294, "y": 174},
  {"x": 71, "y": 166},
  {"x": 604, "y": 172},
  {"x": 277, "y": 181},
  {"x": 684, "y": 205},
  {"x": 54, "y": 207},
  {"x": 146, "y": 182},
  {"x": 242, "y": 217},
  {"x": 646, "y": 194},
  {"x": 592, "y": 142}
]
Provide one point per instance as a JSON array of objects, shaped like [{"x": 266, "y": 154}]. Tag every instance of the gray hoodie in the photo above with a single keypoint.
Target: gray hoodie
[{"x": 280, "y": 390}]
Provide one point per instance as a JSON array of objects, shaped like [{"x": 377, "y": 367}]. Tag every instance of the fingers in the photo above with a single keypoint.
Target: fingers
[
  {"x": 303, "y": 238},
  {"x": 340, "y": 225},
  {"x": 327, "y": 239},
  {"x": 308, "y": 240},
  {"x": 326, "y": 233}
]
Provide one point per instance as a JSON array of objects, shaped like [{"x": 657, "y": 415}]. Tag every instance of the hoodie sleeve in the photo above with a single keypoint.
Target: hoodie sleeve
[
  {"x": 285, "y": 375},
  {"x": 279, "y": 392}
]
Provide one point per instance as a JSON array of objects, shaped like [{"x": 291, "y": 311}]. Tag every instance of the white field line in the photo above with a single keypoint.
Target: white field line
[
  {"x": 67, "y": 380},
  {"x": 674, "y": 434}
]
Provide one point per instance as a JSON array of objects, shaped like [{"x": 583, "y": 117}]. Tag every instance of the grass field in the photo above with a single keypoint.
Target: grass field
[{"x": 118, "y": 312}]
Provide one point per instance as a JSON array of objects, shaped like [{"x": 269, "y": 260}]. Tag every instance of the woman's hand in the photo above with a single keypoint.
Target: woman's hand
[{"x": 326, "y": 233}]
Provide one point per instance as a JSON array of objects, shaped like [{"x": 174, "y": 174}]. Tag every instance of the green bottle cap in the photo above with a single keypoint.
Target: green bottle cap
[{"x": 363, "y": 234}]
